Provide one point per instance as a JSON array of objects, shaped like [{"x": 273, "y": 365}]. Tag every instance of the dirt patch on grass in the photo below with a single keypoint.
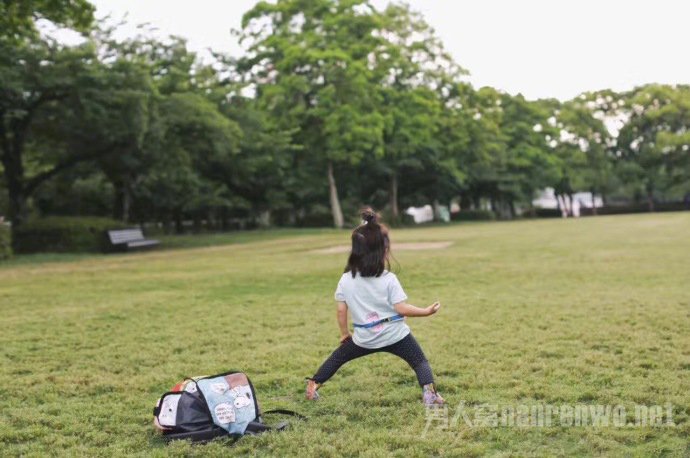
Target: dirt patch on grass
[{"x": 403, "y": 246}]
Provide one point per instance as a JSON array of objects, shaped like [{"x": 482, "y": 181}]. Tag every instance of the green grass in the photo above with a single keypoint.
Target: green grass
[
  {"x": 228, "y": 238},
  {"x": 175, "y": 241},
  {"x": 590, "y": 311}
]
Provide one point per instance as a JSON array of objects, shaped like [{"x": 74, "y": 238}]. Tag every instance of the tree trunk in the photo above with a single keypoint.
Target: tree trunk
[
  {"x": 224, "y": 223},
  {"x": 126, "y": 203},
  {"x": 561, "y": 205},
  {"x": 17, "y": 201},
  {"x": 437, "y": 210},
  {"x": 594, "y": 204},
  {"x": 338, "y": 220},
  {"x": 179, "y": 227},
  {"x": 121, "y": 202},
  {"x": 393, "y": 196},
  {"x": 17, "y": 206},
  {"x": 650, "y": 201},
  {"x": 14, "y": 177},
  {"x": 465, "y": 201},
  {"x": 166, "y": 224}
]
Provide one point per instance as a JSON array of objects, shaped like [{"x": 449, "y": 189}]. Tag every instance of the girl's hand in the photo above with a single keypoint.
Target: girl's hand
[
  {"x": 344, "y": 337},
  {"x": 433, "y": 308}
]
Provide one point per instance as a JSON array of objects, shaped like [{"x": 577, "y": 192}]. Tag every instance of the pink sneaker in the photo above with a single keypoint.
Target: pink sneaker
[
  {"x": 311, "y": 394},
  {"x": 430, "y": 397}
]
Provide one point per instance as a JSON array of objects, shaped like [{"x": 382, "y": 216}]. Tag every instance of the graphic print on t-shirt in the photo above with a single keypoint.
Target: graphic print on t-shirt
[{"x": 373, "y": 316}]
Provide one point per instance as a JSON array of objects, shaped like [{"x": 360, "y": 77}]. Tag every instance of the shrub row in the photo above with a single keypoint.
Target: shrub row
[
  {"x": 473, "y": 215},
  {"x": 544, "y": 213},
  {"x": 640, "y": 208},
  {"x": 5, "y": 242},
  {"x": 62, "y": 234}
]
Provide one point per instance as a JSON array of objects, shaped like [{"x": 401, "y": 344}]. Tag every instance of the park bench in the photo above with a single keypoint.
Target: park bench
[{"x": 129, "y": 239}]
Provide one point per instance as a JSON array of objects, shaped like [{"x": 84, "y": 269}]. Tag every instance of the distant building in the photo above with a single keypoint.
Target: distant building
[
  {"x": 421, "y": 214},
  {"x": 547, "y": 199}
]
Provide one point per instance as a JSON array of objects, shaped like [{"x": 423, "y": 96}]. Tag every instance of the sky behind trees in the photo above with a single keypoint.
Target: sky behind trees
[{"x": 537, "y": 47}]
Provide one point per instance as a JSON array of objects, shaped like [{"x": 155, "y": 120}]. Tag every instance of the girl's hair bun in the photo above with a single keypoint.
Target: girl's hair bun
[{"x": 368, "y": 215}]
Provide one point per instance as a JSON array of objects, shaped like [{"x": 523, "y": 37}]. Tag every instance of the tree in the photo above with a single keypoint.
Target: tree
[
  {"x": 196, "y": 130},
  {"x": 124, "y": 130},
  {"x": 37, "y": 75},
  {"x": 529, "y": 164},
  {"x": 584, "y": 144},
  {"x": 413, "y": 72},
  {"x": 264, "y": 158},
  {"x": 18, "y": 17},
  {"x": 655, "y": 140},
  {"x": 509, "y": 156},
  {"x": 309, "y": 64},
  {"x": 410, "y": 127}
]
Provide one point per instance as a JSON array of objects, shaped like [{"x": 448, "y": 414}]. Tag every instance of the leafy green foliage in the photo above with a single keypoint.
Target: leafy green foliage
[
  {"x": 655, "y": 141},
  {"x": 313, "y": 71},
  {"x": 42, "y": 81},
  {"x": 17, "y": 17},
  {"x": 334, "y": 104}
]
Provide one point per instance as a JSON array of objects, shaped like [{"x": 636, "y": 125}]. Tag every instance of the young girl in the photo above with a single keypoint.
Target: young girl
[{"x": 377, "y": 304}]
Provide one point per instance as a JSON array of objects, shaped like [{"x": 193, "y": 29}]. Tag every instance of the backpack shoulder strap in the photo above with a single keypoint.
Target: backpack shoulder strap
[{"x": 258, "y": 427}]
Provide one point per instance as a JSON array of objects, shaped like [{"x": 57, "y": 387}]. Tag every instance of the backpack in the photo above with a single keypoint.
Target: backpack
[{"x": 204, "y": 408}]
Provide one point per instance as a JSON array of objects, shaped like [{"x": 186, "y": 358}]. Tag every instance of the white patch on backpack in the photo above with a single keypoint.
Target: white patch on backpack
[
  {"x": 225, "y": 413},
  {"x": 190, "y": 387},
  {"x": 219, "y": 388},
  {"x": 242, "y": 401},
  {"x": 168, "y": 411},
  {"x": 243, "y": 396}
]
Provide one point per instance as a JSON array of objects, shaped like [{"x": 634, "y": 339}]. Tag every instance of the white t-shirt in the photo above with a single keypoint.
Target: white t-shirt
[{"x": 371, "y": 299}]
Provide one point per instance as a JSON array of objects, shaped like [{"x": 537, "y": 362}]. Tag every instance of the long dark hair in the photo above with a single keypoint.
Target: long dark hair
[{"x": 370, "y": 246}]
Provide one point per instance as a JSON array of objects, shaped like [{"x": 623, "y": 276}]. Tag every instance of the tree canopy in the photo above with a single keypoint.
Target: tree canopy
[{"x": 333, "y": 104}]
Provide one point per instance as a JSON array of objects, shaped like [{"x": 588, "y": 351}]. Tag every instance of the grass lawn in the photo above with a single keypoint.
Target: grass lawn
[{"x": 575, "y": 312}]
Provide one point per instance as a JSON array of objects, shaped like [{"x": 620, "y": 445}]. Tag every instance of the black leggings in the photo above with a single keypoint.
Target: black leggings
[{"x": 406, "y": 348}]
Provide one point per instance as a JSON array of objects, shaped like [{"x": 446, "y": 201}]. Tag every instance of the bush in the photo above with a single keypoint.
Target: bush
[
  {"x": 65, "y": 235},
  {"x": 473, "y": 215},
  {"x": 634, "y": 208},
  {"x": 5, "y": 242},
  {"x": 547, "y": 213},
  {"x": 316, "y": 220},
  {"x": 317, "y": 216},
  {"x": 403, "y": 221}
]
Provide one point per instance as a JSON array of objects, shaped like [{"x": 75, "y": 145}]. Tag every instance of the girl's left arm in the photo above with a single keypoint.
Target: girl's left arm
[{"x": 342, "y": 321}]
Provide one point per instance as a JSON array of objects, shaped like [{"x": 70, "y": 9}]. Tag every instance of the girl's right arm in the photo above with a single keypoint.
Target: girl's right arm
[
  {"x": 405, "y": 309},
  {"x": 342, "y": 321}
]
